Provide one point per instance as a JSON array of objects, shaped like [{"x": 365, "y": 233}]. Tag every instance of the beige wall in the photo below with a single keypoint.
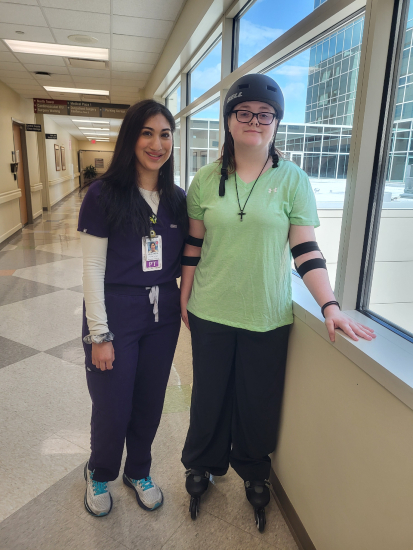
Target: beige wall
[
  {"x": 61, "y": 182},
  {"x": 345, "y": 451},
  {"x": 13, "y": 106},
  {"x": 99, "y": 146}
]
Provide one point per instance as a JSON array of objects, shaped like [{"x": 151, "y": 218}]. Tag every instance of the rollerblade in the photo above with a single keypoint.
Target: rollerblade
[
  {"x": 258, "y": 495},
  {"x": 197, "y": 482}
]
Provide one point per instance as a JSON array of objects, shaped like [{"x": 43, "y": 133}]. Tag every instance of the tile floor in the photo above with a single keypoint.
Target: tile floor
[{"x": 45, "y": 418}]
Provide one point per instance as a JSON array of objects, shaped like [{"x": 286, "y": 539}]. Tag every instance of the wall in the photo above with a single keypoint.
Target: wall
[
  {"x": 12, "y": 106},
  {"x": 61, "y": 182},
  {"x": 99, "y": 146},
  {"x": 345, "y": 448}
]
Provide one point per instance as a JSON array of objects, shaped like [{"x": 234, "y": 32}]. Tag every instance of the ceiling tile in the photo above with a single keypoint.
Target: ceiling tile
[
  {"x": 25, "y": 2},
  {"x": 63, "y": 34},
  {"x": 3, "y": 47},
  {"x": 31, "y": 33},
  {"x": 125, "y": 89},
  {"x": 18, "y": 81},
  {"x": 16, "y": 67},
  {"x": 156, "y": 9},
  {"x": 129, "y": 76},
  {"x": 90, "y": 80},
  {"x": 129, "y": 56},
  {"x": 59, "y": 80},
  {"x": 8, "y": 56},
  {"x": 98, "y": 6},
  {"x": 36, "y": 59},
  {"x": 134, "y": 26},
  {"x": 53, "y": 69},
  {"x": 132, "y": 67},
  {"x": 13, "y": 74},
  {"x": 105, "y": 73},
  {"x": 120, "y": 83},
  {"x": 125, "y": 42},
  {"x": 68, "y": 97},
  {"x": 17, "y": 13},
  {"x": 80, "y": 20}
]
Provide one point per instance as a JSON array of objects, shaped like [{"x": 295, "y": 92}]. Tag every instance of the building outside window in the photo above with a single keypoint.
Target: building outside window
[{"x": 177, "y": 154}]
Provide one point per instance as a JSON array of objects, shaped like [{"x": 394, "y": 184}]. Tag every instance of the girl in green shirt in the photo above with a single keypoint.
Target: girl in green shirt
[{"x": 247, "y": 214}]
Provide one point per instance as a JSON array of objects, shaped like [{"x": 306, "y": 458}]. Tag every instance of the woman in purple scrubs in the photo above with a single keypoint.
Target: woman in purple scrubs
[{"x": 132, "y": 312}]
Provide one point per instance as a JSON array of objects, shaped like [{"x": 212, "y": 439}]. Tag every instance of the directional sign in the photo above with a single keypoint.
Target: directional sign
[
  {"x": 51, "y": 136},
  {"x": 33, "y": 127}
]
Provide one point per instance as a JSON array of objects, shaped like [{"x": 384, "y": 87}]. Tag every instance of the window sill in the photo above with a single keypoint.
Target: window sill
[{"x": 388, "y": 358}]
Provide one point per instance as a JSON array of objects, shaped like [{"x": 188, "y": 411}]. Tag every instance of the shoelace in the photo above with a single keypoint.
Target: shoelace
[
  {"x": 99, "y": 487},
  {"x": 145, "y": 483}
]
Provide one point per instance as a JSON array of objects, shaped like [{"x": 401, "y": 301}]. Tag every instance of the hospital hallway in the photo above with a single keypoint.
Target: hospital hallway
[{"x": 45, "y": 421}]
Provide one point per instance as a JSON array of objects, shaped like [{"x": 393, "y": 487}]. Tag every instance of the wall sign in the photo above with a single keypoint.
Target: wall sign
[
  {"x": 33, "y": 127},
  {"x": 99, "y": 163},
  {"x": 79, "y": 108},
  {"x": 57, "y": 157},
  {"x": 51, "y": 136}
]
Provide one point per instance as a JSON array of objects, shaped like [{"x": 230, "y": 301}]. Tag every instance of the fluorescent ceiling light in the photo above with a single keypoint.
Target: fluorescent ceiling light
[
  {"x": 75, "y": 90},
  {"x": 102, "y": 129},
  {"x": 83, "y": 121},
  {"x": 102, "y": 140},
  {"x": 79, "y": 52}
]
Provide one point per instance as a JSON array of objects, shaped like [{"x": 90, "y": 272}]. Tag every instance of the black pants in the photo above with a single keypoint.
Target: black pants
[{"x": 236, "y": 398}]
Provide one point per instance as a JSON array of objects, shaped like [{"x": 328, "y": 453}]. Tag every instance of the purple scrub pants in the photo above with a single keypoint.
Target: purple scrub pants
[{"x": 127, "y": 401}]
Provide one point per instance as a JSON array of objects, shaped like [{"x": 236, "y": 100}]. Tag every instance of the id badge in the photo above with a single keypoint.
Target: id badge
[{"x": 152, "y": 253}]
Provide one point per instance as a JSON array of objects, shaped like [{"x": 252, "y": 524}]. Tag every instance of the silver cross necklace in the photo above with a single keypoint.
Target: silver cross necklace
[{"x": 241, "y": 213}]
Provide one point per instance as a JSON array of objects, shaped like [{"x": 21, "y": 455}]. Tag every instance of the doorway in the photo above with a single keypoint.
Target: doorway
[{"x": 22, "y": 175}]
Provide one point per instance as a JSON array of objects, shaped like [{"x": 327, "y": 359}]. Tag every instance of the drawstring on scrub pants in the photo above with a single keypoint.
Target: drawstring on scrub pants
[{"x": 154, "y": 299}]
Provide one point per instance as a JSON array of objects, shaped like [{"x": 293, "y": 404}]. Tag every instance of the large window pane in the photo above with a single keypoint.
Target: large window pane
[
  {"x": 391, "y": 293},
  {"x": 203, "y": 138},
  {"x": 177, "y": 154},
  {"x": 319, "y": 88},
  {"x": 263, "y": 22},
  {"x": 206, "y": 74},
  {"x": 173, "y": 100}
]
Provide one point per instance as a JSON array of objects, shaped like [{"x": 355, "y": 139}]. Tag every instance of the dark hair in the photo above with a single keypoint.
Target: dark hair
[
  {"x": 120, "y": 195},
  {"x": 229, "y": 144}
]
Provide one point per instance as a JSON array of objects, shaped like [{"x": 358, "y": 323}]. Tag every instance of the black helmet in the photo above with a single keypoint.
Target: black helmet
[
  {"x": 251, "y": 87},
  {"x": 255, "y": 87}
]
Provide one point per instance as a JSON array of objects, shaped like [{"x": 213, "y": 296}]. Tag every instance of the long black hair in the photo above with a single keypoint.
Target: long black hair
[{"x": 120, "y": 195}]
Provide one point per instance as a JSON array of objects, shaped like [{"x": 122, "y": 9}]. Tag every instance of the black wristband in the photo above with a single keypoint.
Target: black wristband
[
  {"x": 193, "y": 241},
  {"x": 190, "y": 260},
  {"x": 333, "y": 302}
]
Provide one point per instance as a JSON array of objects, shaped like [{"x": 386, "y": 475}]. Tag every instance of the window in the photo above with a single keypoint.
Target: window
[
  {"x": 177, "y": 154},
  {"x": 387, "y": 292},
  {"x": 260, "y": 22},
  {"x": 173, "y": 100},
  {"x": 319, "y": 88},
  {"x": 203, "y": 138},
  {"x": 206, "y": 73}
]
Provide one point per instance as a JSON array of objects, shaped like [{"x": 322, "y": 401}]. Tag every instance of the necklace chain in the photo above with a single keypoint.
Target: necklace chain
[{"x": 241, "y": 213}]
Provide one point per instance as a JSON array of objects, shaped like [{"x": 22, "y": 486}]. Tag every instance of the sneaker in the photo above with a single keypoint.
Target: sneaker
[
  {"x": 98, "y": 500},
  {"x": 148, "y": 494}
]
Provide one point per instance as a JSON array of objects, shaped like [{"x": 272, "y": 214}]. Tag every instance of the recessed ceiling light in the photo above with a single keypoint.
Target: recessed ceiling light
[
  {"x": 83, "y": 39},
  {"x": 84, "y": 121},
  {"x": 20, "y": 46},
  {"x": 84, "y": 128},
  {"x": 75, "y": 90}
]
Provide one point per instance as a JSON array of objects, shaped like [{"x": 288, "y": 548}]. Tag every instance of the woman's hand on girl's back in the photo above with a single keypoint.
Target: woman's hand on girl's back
[{"x": 103, "y": 355}]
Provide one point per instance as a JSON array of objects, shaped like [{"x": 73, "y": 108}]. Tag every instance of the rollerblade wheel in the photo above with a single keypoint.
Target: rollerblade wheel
[
  {"x": 260, "y": 519},
  {"x": 194, "y": 507}
]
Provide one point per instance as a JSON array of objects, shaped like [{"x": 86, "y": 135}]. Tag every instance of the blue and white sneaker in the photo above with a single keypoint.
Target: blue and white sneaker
[
  {"x": 98, "y": 500},
  {"x": 148, "y": 494}
]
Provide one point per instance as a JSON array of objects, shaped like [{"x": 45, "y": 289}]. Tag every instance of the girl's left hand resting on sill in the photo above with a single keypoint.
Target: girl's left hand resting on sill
[{"x": 336, "y": 319}]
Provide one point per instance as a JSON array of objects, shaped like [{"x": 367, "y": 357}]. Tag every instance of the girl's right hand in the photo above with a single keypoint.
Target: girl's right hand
[
  {"x": 103, "y": 355},
  {"x": 184, "y": 313}
]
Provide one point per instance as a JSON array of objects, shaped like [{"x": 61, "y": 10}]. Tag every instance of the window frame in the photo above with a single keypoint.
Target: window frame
[{"x": 381, "y": 170}]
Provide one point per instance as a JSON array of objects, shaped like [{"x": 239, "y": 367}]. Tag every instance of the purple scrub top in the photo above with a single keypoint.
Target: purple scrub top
[{"x": 124, "y": 255}]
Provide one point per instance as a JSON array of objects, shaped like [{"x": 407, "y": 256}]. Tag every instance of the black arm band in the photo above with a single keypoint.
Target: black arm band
[
  {"x": 303, "y": 248},
  {"x": 194, "y": 242},
  {"x": 190, "y": 260},
  {"x": 307, "y": 266}
]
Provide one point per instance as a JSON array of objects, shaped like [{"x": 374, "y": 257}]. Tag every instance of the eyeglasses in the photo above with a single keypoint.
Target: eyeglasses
[{"x": 247, "y": 116}]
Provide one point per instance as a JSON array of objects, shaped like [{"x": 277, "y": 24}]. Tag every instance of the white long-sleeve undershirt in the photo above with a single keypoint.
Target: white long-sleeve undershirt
[{"x": 94, "y": 266}]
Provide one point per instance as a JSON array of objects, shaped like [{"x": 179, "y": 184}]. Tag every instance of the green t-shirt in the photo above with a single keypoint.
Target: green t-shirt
[{"x": 243, "y": 278}]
